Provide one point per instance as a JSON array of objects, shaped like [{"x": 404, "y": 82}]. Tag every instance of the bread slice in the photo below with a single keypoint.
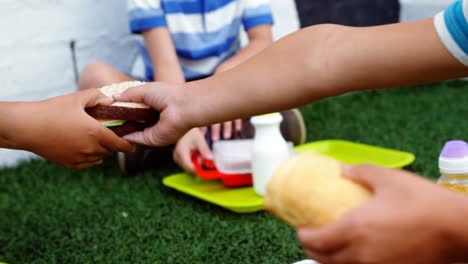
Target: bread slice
[
  {"x": 308, "y": 190},
  {"x": 138, "y": 116},
  {"x": 128, "y": 128},
  {"x": 118, "y": 88}
]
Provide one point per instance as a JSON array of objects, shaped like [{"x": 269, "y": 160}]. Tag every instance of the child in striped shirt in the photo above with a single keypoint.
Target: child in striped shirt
[{"x": 204, "y": 34}]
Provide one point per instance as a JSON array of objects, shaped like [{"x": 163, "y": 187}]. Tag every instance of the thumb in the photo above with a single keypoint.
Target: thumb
[
  {"x": 139, "y": 94},
  {"x": 185, "y": 160},
  {"x": 369, "y": 176},
  {"x": 136, "y": 137},
  {"x": 93, "y": 97},
  {"x": 204, "y": 149},
  {"x": 328, "y": 238},
  {"x": 151, "y": 136}
]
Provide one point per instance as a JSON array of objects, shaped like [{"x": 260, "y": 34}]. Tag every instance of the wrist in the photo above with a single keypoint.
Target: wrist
[
  {"x": 13, "y": 123},
  {"x": 193, "y": 109}
]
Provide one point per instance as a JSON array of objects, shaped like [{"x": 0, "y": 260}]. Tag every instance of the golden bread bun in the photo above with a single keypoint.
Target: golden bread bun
[{"x": 309, "y": 190}]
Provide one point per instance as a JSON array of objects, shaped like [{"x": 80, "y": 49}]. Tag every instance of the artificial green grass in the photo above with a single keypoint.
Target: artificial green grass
[{"x": 52, "y": 215}]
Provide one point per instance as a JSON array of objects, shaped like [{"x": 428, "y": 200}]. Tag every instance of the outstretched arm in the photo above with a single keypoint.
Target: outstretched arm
[
  {"x": 59, "y": 129},
  {"x": 311, "y": 64},
  {"x": 322, "y": 61}
]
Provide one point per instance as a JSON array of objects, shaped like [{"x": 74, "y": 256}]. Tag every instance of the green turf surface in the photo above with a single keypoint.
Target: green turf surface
[{"x": 52, "y": 215}]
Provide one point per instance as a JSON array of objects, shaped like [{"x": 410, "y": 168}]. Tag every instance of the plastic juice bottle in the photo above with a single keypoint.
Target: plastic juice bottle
[
  {"x": 269, "y": 149},
  {"x": 453, "y": 166}
]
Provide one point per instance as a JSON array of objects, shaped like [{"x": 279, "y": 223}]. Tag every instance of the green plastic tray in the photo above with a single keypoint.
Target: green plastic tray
[
  {"x": 245, "y": 200},
  {"x": 356, "y": 153}
]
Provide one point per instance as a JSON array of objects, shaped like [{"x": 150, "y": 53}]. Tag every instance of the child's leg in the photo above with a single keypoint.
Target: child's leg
[{"x": 98, "y": 74}]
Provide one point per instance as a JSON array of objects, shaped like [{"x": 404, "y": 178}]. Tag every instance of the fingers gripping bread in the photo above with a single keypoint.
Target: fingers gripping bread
[
  {"x": 309, "y": 190},
  {"x": 137, "y": 116}
]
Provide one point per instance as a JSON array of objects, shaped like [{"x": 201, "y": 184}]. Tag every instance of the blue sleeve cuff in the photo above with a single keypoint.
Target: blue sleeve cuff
[
  {"x": 456, "y": 24},
  {"x": 144, "y": 19},
  {"x": 452, "y": 28},
  {"x": 139, "y": 25},
  {"x": 252, "y": 22}
]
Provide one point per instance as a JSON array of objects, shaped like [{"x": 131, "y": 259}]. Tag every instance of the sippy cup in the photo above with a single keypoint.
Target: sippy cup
[{"x": 453, "y": 165}]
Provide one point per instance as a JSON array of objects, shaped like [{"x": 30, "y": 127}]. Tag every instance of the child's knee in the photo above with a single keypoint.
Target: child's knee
[
  {"x": 95, "y": 69},
  {"x": 93, "y": 75}
]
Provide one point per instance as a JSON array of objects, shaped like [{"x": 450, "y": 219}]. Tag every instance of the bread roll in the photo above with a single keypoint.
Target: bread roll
[{"x": 309, "y": 190}]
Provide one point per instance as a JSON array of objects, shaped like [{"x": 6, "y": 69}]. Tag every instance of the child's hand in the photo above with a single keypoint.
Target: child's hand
[
  {"x": 187, "y": 145},
  {"x": 407, "y": 221},
  {"x": 175, "y": 110},
  {"x": 228, "y": 130},
  {"x": 59, "y": 130}
]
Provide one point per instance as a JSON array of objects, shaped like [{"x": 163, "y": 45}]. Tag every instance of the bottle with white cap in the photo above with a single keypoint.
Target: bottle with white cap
[
  {"x": 453, "y": 165},
  {"x": 269, "y": 149}
]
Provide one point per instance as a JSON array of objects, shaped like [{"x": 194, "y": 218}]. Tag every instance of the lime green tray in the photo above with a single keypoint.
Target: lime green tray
[
  {"x": 245, "y": 200},
  {"x": 355, "y": 153}
]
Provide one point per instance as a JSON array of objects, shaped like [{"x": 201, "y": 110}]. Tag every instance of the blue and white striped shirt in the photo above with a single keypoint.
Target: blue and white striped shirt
[
  {"x": 452, "y": 27},
  {"x": 204, "y": 32}
]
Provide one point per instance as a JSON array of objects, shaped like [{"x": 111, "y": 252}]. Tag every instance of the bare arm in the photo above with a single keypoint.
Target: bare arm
[
  {"x": 74, "y": 140},
  {"x": 260, "y": 37},
  {"x": 323, "y": 61},
  {"x": 163, "y": 55},
  {"x": 8, "y": 126},
  {"x": 311, "y": 64}
]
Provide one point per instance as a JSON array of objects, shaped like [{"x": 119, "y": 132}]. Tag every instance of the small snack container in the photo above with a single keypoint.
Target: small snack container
[
  {"x": 232, "y": 163},
  {"x": 233, "y": 156}
]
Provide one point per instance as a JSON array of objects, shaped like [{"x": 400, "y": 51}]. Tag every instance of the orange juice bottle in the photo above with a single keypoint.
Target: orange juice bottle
[{"x": 453, "y": 166}]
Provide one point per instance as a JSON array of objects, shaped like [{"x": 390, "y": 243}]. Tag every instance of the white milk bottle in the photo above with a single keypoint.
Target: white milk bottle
[{"x": 269, "y": 149}]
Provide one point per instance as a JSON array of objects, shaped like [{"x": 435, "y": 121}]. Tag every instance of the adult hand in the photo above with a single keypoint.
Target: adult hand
[
  {"x": 59, "y": 130},
  {"x": 191, "y": 142},
  {"x": 408, "y": 220},
  {"x": 169, "y": 101}
]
